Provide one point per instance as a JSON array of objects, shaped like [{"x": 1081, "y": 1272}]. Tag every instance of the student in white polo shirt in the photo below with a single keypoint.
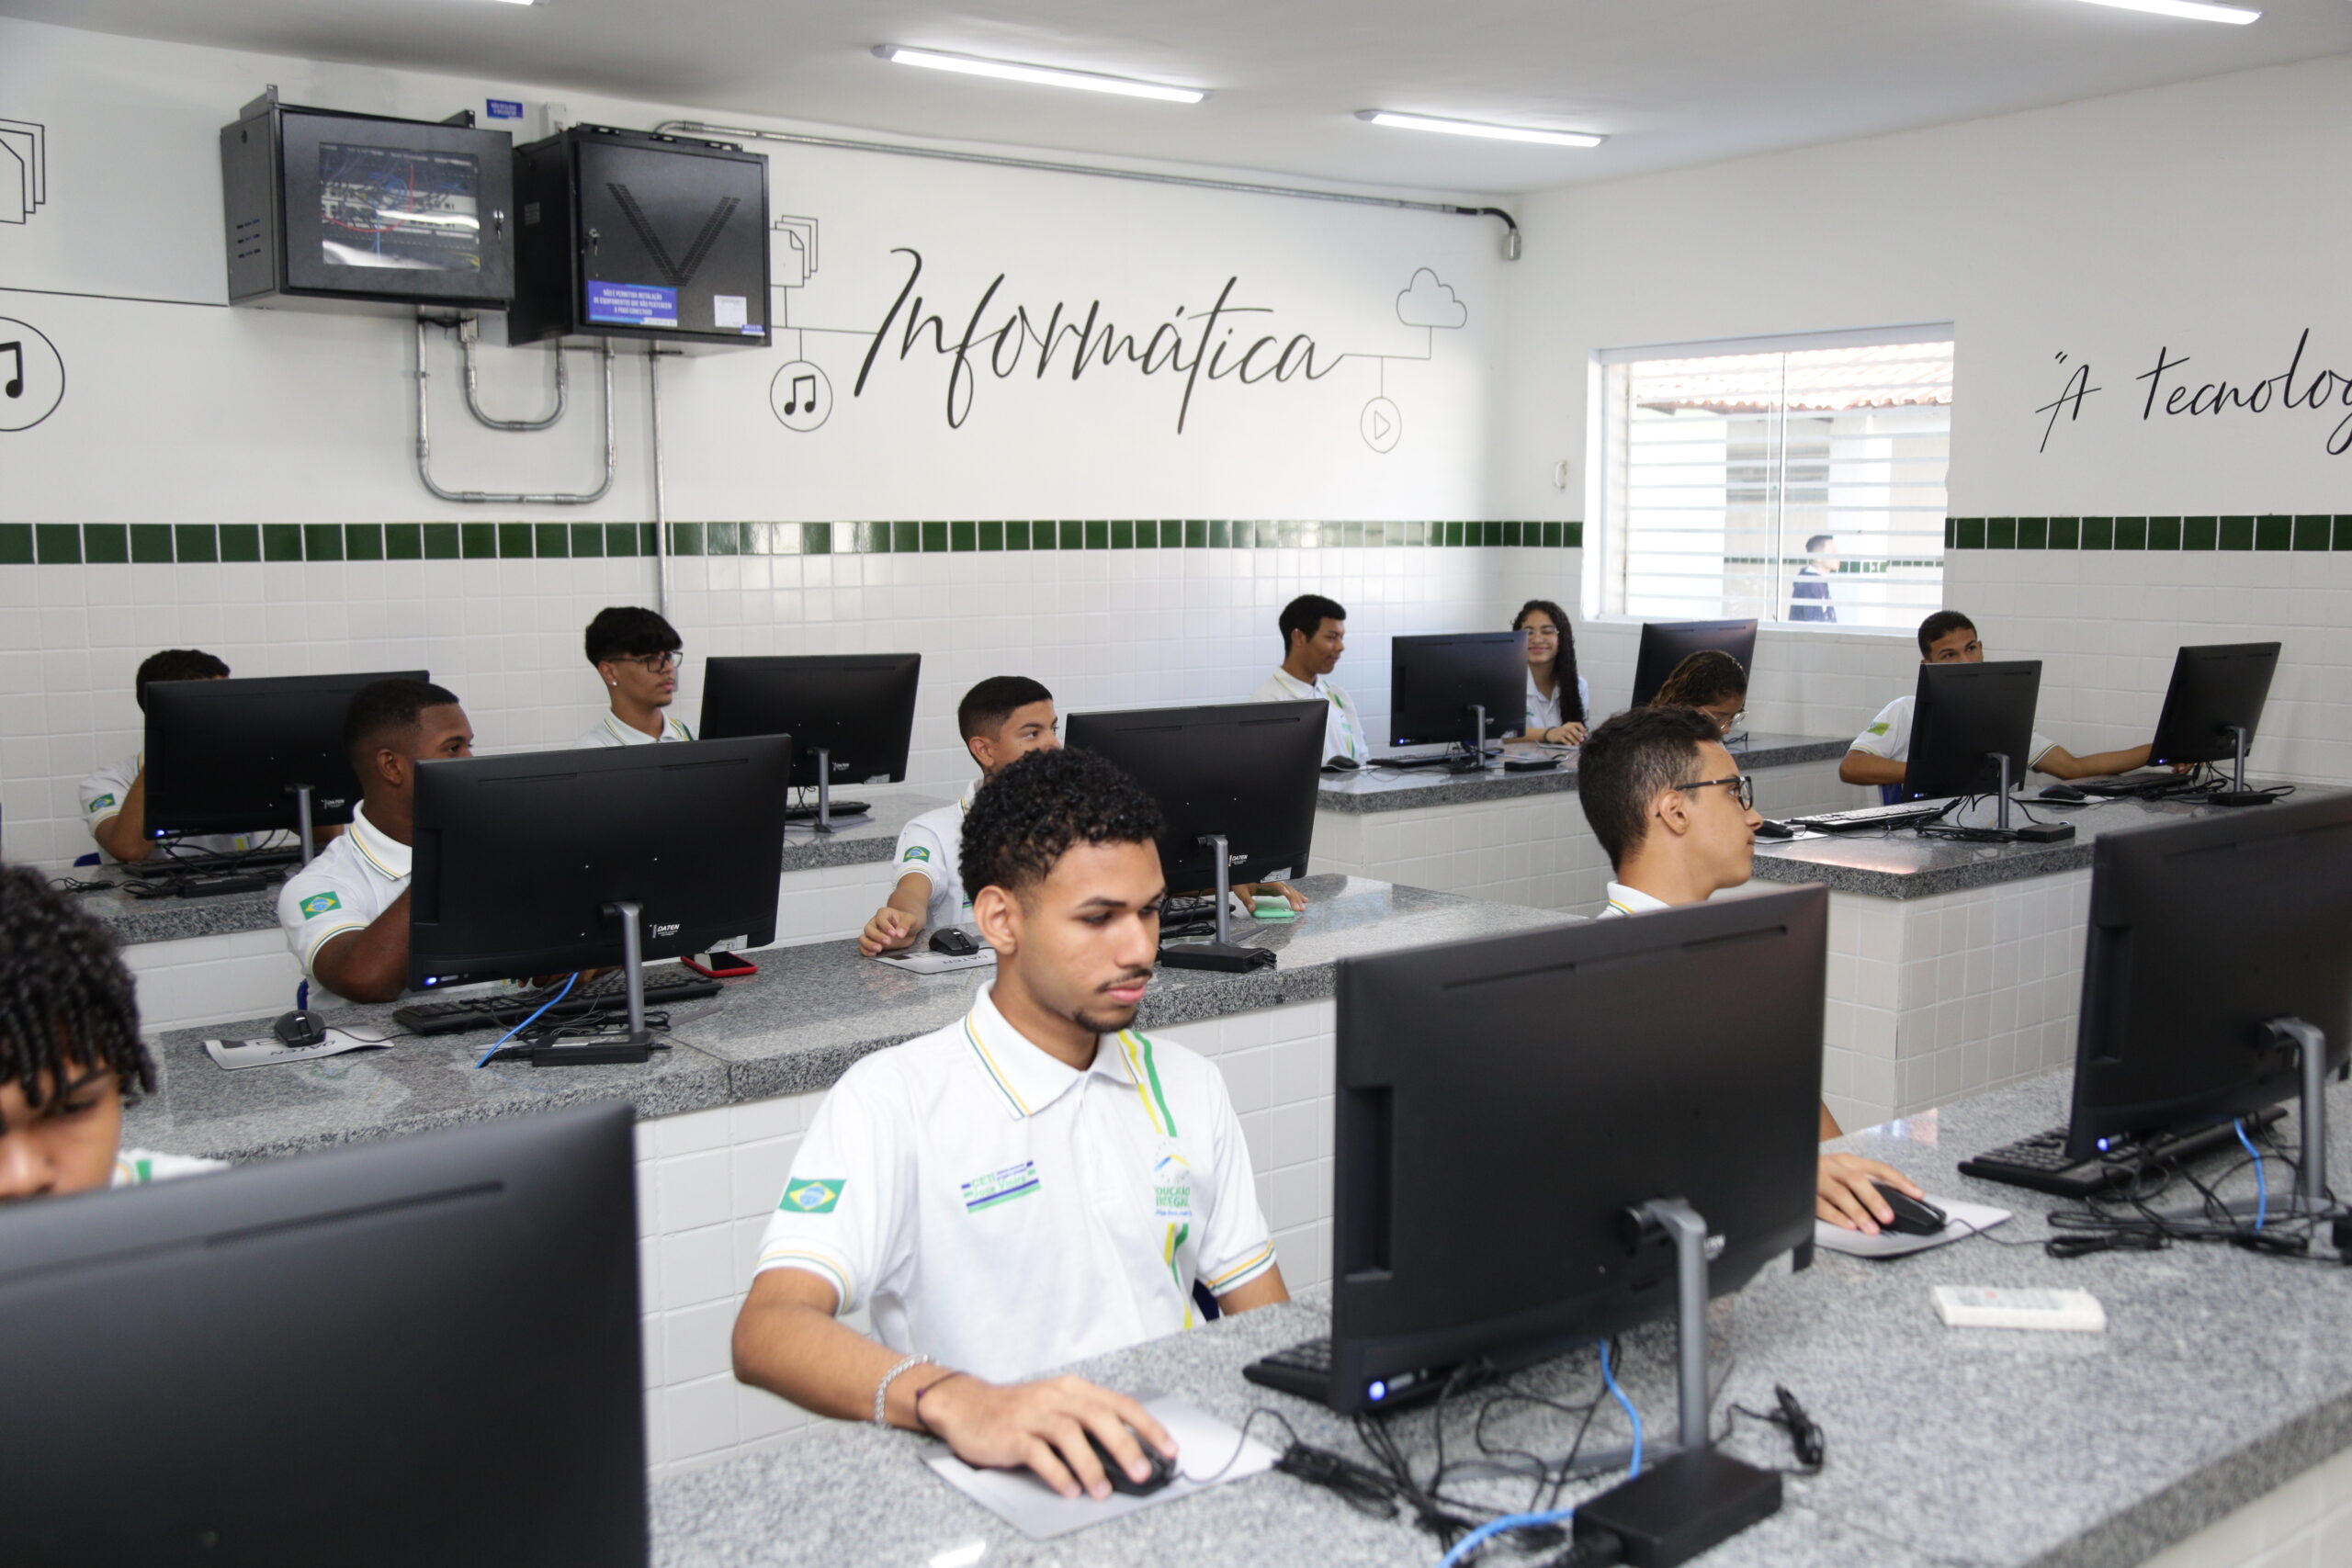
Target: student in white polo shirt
[
  {"x": 1315, "y": 634},
  {"x": 1677, "y": 821},
  {"x": 1881, "y": 751},
  {"x": 1004, "y": 718},
  {"x": 640, "y": 657},
  {"x": 114, "y": 799},
  {"x": 69, "y": 1052},
  {"x": 345, "y": 914},
  {"x": 1033, "y": 1184}
]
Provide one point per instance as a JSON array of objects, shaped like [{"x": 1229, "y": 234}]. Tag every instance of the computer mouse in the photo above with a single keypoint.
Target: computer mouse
[
  {"x": 1340, "y": 766},
  {"x": 1163, "y": 1469},
  {"x": 1767, "y": 829},
  {"x": 299, "y": 1029},
  {"x": 1913, "y": 1216},
  {"x": 2062, "y": 792},
  {"x": 952, "y": 943}
]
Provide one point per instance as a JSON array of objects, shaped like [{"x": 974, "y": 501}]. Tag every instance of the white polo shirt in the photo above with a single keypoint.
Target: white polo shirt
[
  {"x": 104, "y": 792},
  {"x": 1543, "y": 713},
  {"x": 1624, "y": 900},
  {"x": 611, "y": 732},
  {"x": 930, "y": 846},
  {"x": 1342, "y": 730},
  {"x": 343, "y": 888},
  {"x": 1888, "y": 735},
  {"x": 1005, "y": 1215}
]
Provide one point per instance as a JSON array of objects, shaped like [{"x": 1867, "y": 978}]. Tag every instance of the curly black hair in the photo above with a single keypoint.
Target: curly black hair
[
  {"x": 65, "y": 995},
  {"x": 1027, "y": 817}
]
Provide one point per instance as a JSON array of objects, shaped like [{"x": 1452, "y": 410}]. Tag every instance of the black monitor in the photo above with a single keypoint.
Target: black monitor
[
  {"x": 1665, "y": 644},
  {"x": 1563, "y": 1078},
  {"x": 229, "y": 1367},
  {"x": 1964, "y": 720},
  {"x": 248, "y": 756},
  {"x": 1243, "y": 771},
  {"x": 550, "y": 862},
  {"x": 2179, "y": 1010},
  {"x": 853, "y": 711},
  {"x": 2212, "y": 707},
  {"x": 1434, "y": 682}
]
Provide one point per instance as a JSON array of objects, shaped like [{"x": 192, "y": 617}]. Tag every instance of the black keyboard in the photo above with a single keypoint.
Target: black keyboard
[
  {"x": 184, "y": 885},
  {"x": 211, "y": 862},
  {"x": 2040, "y": 1161},
  {"x": 1303, "y": 1369},
  {"x": 663, "y": 987},
  {"x": 839, "y": 808},
  {"x": 1430, "y": 760},
  {"x": 1868, "y": 818},
  {"x": 2160, "y": 787}
]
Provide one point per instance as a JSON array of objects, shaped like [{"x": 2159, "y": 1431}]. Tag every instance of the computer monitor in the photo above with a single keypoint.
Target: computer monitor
[
  {"x": 849, "y": 714},
  {"x": 1665, "y": 644},
  {"x": 2212, "y": 707},
  {"x": 1243, "y": 771},
  {"x": 2178, "y": 1009},
  {"x": 1505, "y": 1105},
  {"x": 550, "y": 862},
  {"x": 420, "y": 1351},
  {"x": 248, "y": 756},
  {"x": 1972, "y": 733},
  {"x": 1434, "y": 682}
]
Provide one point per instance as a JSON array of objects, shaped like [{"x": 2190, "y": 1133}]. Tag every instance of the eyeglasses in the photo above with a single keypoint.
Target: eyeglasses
[
  {"x": 1743, "y": 788},
  {"x": 657, "y": 663},
  {"x": 1727, "y": 725}
]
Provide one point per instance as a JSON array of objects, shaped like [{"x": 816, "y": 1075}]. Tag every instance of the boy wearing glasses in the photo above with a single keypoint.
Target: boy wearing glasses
[
  {"x": 639, "y": 656},
  {"x": 1679, "y": 821}
]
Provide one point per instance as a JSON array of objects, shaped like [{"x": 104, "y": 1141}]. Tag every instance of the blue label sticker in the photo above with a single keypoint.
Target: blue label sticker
[
  {"x": 632, "y": 304},
  {"x": 506, "y": 108}
]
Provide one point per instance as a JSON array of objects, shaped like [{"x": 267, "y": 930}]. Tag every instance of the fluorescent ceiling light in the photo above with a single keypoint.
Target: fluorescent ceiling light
[
  {"x": 2194, "y": 10},
  {"x": 1472, "y": 128},
  {"x": 1041, "y": 75}
]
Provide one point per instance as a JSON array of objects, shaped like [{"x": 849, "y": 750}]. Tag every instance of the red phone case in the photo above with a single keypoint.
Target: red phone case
[{"x": 741, "y": 968}]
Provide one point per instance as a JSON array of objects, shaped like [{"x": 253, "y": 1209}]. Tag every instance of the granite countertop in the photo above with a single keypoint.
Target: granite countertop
[
  {"x": 797, "y": 1026},
  {"x": 866, "y": 841},
  {"x": 1899, "y": 863},
  {"x": 1404, "y": 789},
  {"x": 2222, "y": 1375}
]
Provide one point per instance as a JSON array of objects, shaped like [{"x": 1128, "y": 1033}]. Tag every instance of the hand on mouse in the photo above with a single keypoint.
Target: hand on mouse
[
  {"x": 888, "y": 929},
  {"x": 1843, "y": 1194},
  {"x": 1043, "y": 1426},
  {"x": 1249, "y": 892}
]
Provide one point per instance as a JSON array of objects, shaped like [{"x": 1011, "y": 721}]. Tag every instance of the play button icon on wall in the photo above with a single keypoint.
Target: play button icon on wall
[{"x": 1382, "y": 425}]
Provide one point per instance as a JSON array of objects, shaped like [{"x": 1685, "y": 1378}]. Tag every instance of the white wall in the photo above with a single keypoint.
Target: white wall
[
  {"x": 2198, "y": 218},
  {"x": 179, "y": 410}
]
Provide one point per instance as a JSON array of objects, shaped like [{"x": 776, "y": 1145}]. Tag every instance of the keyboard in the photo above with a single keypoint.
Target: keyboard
[
  {"x": 840, "y": 808},
  {"x": 1431, "y": 760},
  {"x": 1868, "y": 818},
  {"x": 663, "y": 987},
  {"x": 1305, "y": 1369},
  {"x": 2040, "y": 1162},
  {"x": 2157, "y": 788},
  {"x": 167, "y": 867},
  {"x": 188, "y": 885}
]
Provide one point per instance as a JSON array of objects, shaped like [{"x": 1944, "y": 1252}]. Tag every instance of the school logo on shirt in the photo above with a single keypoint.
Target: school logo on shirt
[
  {"x": 102, "y": 803},
  {"x": 1172, "y": 1189},
  {"x": 318, "y": 904},
  {"x": 812, "y": 1197},
  {"x": 1878, "y": 729},
  {"x": 1000, "y": 1186},
  {"x": 914, "y": 851}
]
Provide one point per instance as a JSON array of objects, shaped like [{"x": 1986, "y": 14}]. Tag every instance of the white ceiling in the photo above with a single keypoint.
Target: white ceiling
[{"x": 1671, "y": 82}]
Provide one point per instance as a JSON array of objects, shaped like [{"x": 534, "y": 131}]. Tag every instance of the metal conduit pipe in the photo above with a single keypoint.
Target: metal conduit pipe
[
  {"x": 469, "y": 332},
  {"x": 660, "y": 497},
  {"x": 1511, "y": 240},
  {"x": 479, "y": 497}
]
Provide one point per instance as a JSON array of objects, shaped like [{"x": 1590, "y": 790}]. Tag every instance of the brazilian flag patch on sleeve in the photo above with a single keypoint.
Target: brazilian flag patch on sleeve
[
  {"x": 318, "y": 904},
  {"x": 812, "y": 1197},
  {"x": 914, "y": 851}
]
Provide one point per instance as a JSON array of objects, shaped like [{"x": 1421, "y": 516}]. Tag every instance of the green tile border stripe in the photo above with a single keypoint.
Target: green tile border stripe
[
  {"x": 2304, "y": 532},
  {"x": 106, "y": 544}
]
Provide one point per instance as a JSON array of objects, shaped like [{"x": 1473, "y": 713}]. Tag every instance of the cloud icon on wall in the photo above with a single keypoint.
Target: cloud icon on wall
[{"x": 1430, "y": 302}]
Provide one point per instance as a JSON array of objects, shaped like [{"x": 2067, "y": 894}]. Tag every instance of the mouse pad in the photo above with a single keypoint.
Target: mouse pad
[
  {"x": 1203, "y": 1444},
  {"x": 230, "y": 1055},
  {"x": 1960, "y": 1221},
  {"x": 925, "y": 961}
]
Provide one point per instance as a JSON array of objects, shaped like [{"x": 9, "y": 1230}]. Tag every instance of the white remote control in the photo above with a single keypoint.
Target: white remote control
[{"x": 1982, "y": 1306}]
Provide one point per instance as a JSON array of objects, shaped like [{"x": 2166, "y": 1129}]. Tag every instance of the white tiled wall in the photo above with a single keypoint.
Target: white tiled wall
[
  {"x": 707, "y": 1182},
  {"x": 1102, "y": 628},
  {"x": 1934, "y": 998},
  {"x": 2307, "y": 1523}
]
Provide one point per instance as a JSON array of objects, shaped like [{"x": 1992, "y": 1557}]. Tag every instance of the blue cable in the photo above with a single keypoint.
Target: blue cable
[
  {"x": 1492, "y": 1528},
  {"x": 2261, "y": 1187},
  {"x": 526, "y": 1024},
  {"x": 1610, "y": 1380}
]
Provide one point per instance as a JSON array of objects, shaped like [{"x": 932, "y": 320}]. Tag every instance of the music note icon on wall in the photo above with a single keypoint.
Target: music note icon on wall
[
  {"x": 801, "y": 396},
  {"x": 804, "y": 395},
  {"x": 16, "y": 384},
  {"x": 32, "y": 376}
]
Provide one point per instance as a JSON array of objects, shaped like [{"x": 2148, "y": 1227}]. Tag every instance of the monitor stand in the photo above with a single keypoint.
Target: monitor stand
[
  {"x": 2310, "y": 1199},
  {"x": 1474, "y": 757},
  {"x": 303, "y": 819},
  {"x": 634, "y": 1047},
  {"x": 2237, "y": 794},
  {"x": 824, "y": 823},
  {"x": 2028, "y": 833},
  {"x": 1223, "y": 956}
]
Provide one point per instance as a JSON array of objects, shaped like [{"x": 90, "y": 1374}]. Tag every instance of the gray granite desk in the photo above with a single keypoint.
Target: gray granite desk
[
  {"x": 1521, "y": 837},
  {"x": 2221, "y": 1376},
  {"x": 1954, "y": 966}
]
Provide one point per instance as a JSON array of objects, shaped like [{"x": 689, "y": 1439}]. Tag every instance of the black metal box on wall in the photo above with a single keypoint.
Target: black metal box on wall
[
  {"x": 323, "y": 207},
  {"x": 626, "y": 233}
]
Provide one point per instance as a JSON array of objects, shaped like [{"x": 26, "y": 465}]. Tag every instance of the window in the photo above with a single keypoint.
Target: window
[{"x": 1795, "y": 479}]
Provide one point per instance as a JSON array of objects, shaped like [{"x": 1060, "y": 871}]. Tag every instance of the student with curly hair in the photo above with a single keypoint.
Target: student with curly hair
[
  {"x": 1711, "y": 681},
  {"x": 1033, "y": 1184},
  {"x": 70, "y": 1054}
]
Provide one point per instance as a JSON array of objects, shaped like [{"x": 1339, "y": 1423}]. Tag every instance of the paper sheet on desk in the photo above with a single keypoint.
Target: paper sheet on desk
[
  {"x": 230, "y": 1055},
  {"x": 928, "y": 963},
  {"x": 1021, "y": 1500},
  {"x": 1962, "y": 1220}
]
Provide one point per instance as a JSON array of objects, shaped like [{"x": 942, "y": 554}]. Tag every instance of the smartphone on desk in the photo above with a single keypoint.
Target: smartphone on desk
[{"x": 720, "y": 965}]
